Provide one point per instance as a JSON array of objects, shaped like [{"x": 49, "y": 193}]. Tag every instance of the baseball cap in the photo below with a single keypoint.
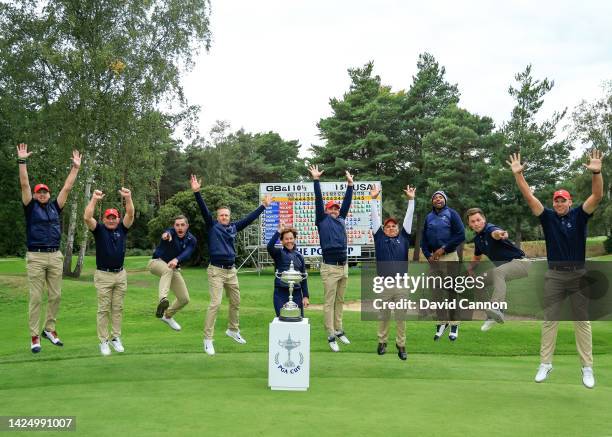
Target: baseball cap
[
  {"x": 331, "y": 204},
  {"x": 562, "y": 193},
  {"x": 111, "y": 211},
  {"x": 39, "y": 187},
  {"x": 390, "y": 219}
]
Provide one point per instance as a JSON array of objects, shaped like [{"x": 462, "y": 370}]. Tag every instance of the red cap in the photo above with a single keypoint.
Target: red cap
[
  {"x": 331, "y": 204},
  {"x": 39, "y": 187},
  {"x": 111, "y": 211},
  {"x": 390, "y": 219},
  {"x": 562, "y": 193}
]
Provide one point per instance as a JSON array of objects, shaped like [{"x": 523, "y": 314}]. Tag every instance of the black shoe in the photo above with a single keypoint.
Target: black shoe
[
  {"x": 439, "y": 331},
  {"x": 454, "y": 333},
  {"x": 382, "y": 348},
  {"x": 401, "y": 352},
  {"x": 161, "y": 308}
]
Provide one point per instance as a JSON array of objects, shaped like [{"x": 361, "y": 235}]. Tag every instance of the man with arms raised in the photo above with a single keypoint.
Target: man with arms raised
[
  {"x": 565, "y": 233},
  {"x": 110, "y": 279},
  {"x": 222, "y": 273},
  {"x": 392, "y": 246},
  {"x": 44, "y": 261},
  {"x": 331, "y": 223}
]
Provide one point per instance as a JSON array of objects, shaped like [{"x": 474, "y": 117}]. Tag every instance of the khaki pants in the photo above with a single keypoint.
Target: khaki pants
[
  {"x": 111, "y": 288},
  {"x": 44, "y": 268},
  {"x": 334, "y": 284},
  {"x": 515, "y": 269},
  {"x": 557, "y": 286},
  {"x": 447, "y": 265},
  {"x": 218, "y": 280},
  {"x": 386, "y": 317},
  {"x": 170, "y": 279}
]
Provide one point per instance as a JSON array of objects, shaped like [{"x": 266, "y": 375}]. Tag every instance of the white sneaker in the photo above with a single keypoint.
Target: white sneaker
[
  {"x": 171, "y": 322},
  {"x": 236, "y": 336},
  {"x": 488, "y": 324},
  {"x": 543, "y": 372},
  {"x": 439, "y": 331},
  {"x": 343, "y": 338},
  {"x": 588, "y": 379},
  {"x": 117, "y": 345},
  {"x": 105, "y": 349},
  {"x": 333, "y": 345},
  {"x": 208, "y": 347},
  {"x": 52, "y": 337}
]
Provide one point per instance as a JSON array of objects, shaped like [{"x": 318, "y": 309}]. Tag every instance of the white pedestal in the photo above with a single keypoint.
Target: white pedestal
[{"x": 289, "y": 355}]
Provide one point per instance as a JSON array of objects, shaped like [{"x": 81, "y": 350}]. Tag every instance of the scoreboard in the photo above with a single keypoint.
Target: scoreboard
[{"x": 294, "y": 205}]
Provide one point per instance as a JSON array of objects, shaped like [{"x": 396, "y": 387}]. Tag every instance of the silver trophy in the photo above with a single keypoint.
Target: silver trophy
[{"x": 290, "y": 312}]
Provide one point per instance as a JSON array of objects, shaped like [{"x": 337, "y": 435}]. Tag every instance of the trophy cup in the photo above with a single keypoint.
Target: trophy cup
[{"x": 290, "y": 312}]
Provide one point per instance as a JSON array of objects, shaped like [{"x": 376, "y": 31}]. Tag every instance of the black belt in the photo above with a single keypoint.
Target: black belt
[
  {"x": 337, "y": 263},
  {"x": 226, "y": 267},
  {"x": 567, "y": 268},
  {"x": 120, "y": 269},
  {"x": 43, "y": 249}
]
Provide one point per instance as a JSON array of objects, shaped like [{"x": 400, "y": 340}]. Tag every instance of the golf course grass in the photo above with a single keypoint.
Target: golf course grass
[{"x": 164, "y": 384}]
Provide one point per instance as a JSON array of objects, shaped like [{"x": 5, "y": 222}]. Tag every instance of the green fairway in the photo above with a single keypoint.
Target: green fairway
[{"x": 165, "y": 384}]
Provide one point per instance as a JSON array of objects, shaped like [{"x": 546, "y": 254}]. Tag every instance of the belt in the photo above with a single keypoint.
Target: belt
[
  {"x": 567, "y": 268},
  {"x": 225, "y": 267},
  {"x": 43, "y": 249},
  {"x": 112, "y": 270},
  {"x": 337, "y": 263}
]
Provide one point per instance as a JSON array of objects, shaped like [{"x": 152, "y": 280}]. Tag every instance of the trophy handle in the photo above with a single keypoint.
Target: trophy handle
[{"x": 277, "y": 274}]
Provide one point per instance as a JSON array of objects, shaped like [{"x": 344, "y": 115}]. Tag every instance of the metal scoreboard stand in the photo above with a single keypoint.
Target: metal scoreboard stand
[{"x": 294, "y": 205}]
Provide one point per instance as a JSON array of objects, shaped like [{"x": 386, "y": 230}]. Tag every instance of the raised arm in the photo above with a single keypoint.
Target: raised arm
[
  {"x": 594, "y": 166},
  {"x": 74, "y": 171},
  {"x": 128, "y": 219},
  {"x": 319, "y": 207},
  {"x": 24, "y": 182},
  {"x": 272, "y": 250},
  {"x": 374, "y": 192},
  {"x": 243, "y": 223},
  {"x": 195, "y": 187},
  {"x": 90, "y": 208},
  {"x": 410, "y": 193},
  {"x": 348, "y": 196},
  {"x": 517, "y": 169}
]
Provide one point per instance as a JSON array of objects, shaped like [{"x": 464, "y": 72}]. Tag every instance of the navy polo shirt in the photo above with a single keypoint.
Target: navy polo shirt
[
  {"x": 391, "y": 253},
  {"x": 110, "y": 246},
  {"x": 498, "y": 251},
  {"x": 43, "y": 225},
  {"x": 565, "y": 235}
]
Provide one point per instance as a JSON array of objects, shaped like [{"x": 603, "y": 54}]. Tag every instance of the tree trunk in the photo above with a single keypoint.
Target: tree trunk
[
  {"x": 70, "y": 240},
  {"x": 84, "y": 239},
  {"x": 518, "y": 235}
]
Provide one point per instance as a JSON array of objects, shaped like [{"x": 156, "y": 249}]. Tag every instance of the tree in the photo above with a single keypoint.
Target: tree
[
  {"x": 363, "y": 131},
  {"x": 428, "y": 98},
  {"x": 547, "y": 158},
  {"x": 93, "y": 75},
  {"x": 592, "y": 127}
]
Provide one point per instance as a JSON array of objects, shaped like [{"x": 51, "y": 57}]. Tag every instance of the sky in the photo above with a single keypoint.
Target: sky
[{"x": 274, "y": 65}]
